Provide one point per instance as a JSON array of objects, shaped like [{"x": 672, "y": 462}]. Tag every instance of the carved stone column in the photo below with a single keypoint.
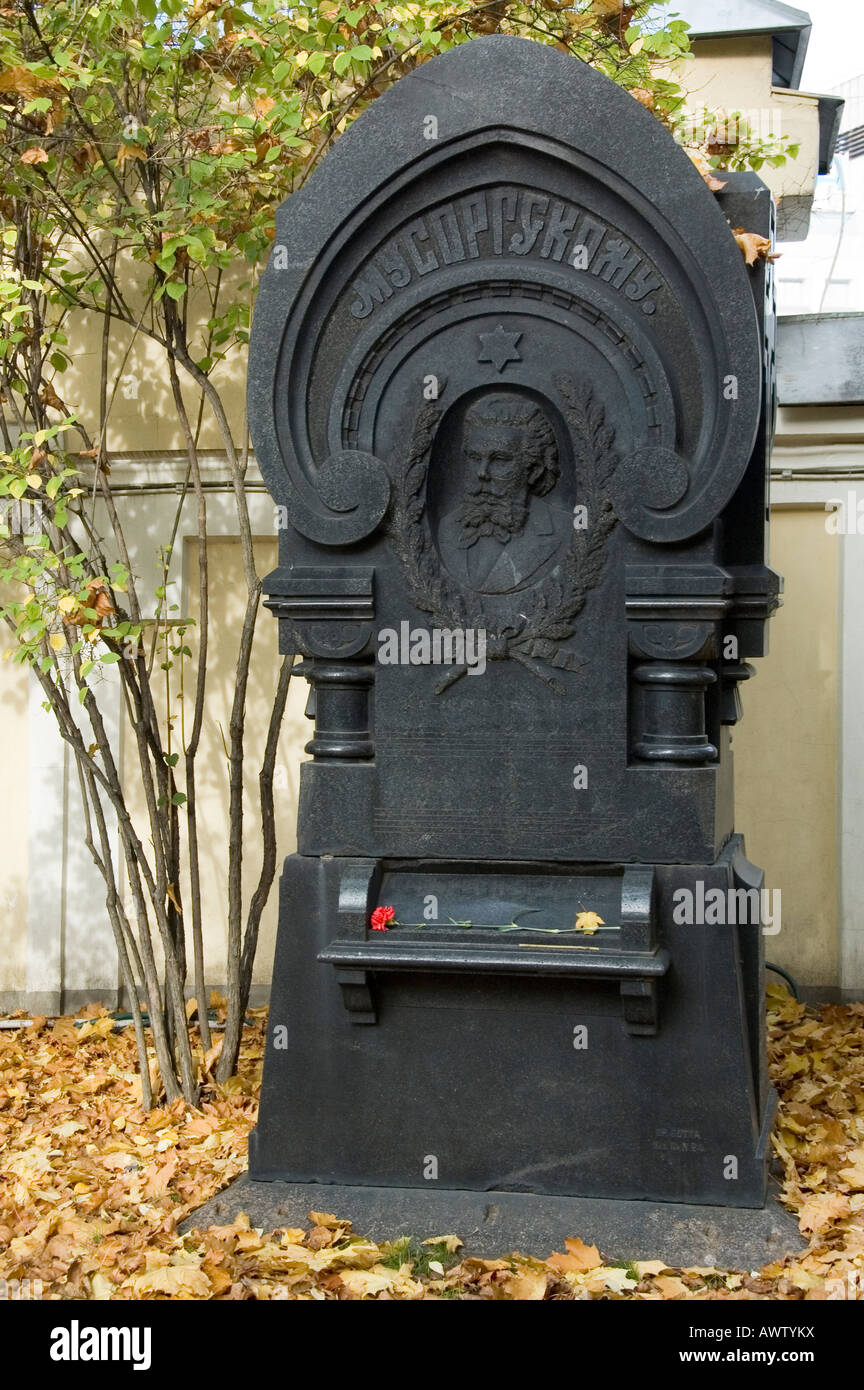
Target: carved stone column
[
  {"x": 327, "y": 615},
  {"x": 340, "y": 701},
  {"x": 669, "y": 723},
  {"x": 674, "y": 616}
]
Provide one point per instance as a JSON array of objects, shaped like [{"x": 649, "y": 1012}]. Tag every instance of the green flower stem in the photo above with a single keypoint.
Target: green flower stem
[{"x": 508, "y": 926}]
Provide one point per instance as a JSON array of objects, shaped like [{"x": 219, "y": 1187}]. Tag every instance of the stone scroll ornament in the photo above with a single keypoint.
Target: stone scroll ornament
[{"x": 536, "y": 639}]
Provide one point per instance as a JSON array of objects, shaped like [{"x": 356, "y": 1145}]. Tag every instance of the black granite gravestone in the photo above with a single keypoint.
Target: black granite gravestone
[{"x": 510, "y": 387}]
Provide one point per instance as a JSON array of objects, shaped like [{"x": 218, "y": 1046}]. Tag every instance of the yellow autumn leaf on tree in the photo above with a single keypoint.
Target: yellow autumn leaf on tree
[
  {"x": 57, "y": 641},
  {"x": 125, "y": 152}
]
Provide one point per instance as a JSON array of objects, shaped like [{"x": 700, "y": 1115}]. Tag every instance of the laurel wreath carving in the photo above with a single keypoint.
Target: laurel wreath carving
[{"x": 553, "y": 605}]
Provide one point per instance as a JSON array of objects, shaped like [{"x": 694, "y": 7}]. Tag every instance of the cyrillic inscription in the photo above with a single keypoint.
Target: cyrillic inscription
[{"x": 504, "y": 222}]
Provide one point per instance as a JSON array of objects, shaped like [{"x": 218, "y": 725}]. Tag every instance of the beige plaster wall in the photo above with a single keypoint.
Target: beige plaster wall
[
  {"x": 785, "y": 749},
  {"x": 734, "y": 74}
]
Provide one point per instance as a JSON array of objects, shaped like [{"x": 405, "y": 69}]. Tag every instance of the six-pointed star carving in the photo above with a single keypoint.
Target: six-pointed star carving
[{"x": 499, "y": 348}]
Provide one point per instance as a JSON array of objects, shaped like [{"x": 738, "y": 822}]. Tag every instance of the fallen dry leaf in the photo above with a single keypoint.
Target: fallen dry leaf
[
  {"x": 579, "y": 1257},
  {"x": 528, "y": 1285},
  {"x": 174, "y": 1280},
  {"x": 820, "y": 1212},
  {"x": 754, "y": 247},
  {"x": 705, "y": 169},
  {"x": 588, "y": 922},
  {"x": 671, "y": 1286}
]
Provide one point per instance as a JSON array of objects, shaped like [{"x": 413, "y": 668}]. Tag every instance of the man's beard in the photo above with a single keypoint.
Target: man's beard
[{"x": 482, "y": 514}]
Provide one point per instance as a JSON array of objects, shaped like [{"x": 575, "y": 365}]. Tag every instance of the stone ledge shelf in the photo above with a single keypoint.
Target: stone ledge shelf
[{"x": 637, "y": 971}]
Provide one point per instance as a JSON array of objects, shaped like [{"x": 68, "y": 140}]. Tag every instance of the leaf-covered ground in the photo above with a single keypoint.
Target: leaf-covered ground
[{"x": 92, "y": 1188}]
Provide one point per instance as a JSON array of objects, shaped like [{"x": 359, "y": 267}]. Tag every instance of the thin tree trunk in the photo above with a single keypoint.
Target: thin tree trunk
[
  {"x": 191, "y": 748},
  {"x": 268, "y": 829},
  {"x": 234, "y": 1020},
  {"x": 108, "y": 780},
  {"x": 119, "y": 922}
]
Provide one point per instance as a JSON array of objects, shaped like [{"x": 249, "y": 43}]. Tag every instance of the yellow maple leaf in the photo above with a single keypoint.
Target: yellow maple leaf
[
  {"x": 588, "y": 922},
  {"x": 528, "y": 1284},
  {"x": 671, "y": 1286},
  {"x": 173, "y": 1280},
  {"x": 368, "y": 1283},
  {"x": 611, "y": 1277},
  {"x": 579, "y": 1257},
  {"x": 327, "y": 1219},
  {"x": 101, "y": 1287},
  {"x": 818, "y": 1213},
  {"x": 854, "y": 1176},
  {"x": 450, "y": 1243}
]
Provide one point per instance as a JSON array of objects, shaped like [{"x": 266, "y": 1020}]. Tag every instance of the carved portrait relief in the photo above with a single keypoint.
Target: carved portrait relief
[
  {"x": 503, "y": 533},
  {"x": 477, "y": 523}
]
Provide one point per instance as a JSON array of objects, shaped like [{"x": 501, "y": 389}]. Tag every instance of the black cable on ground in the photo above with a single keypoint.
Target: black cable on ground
[{"x": 778, "y": 970}]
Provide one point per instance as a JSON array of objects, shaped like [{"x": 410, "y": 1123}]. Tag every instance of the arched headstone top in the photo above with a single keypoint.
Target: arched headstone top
[{"x": 500, "y": 209}]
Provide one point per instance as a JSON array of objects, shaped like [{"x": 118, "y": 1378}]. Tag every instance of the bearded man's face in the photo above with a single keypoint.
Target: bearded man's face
[{"x": 495, "y": 501}]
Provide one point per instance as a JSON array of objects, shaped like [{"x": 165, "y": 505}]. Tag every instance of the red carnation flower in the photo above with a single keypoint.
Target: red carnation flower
[{"x": 381, "y": 916}]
